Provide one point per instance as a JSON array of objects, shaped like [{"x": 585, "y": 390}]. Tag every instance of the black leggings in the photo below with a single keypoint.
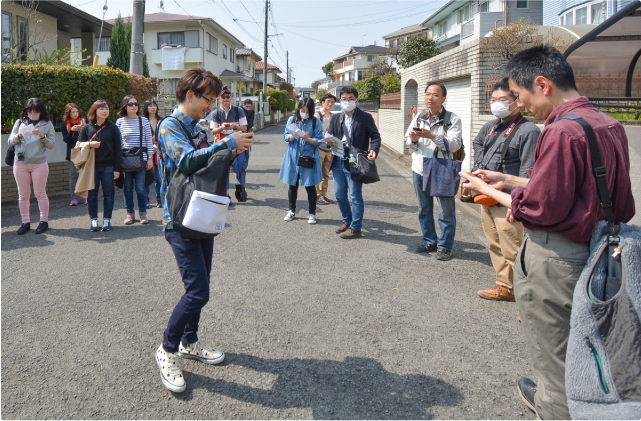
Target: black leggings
[{"x": 311, "y": 197}]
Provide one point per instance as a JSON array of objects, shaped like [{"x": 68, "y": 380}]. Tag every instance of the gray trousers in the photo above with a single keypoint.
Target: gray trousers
[
  {"x": 73, "y": 178},
  {"x": 546, "y": 271}
]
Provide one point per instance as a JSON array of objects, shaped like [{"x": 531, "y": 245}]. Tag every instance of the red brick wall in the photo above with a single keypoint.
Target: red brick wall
[{"x": 57, "y": 183}]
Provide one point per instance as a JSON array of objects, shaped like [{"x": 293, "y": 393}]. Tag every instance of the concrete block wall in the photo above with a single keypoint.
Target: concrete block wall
[
  {"x": 57, "y": 183},
  {"x": 390, "y": 126}
]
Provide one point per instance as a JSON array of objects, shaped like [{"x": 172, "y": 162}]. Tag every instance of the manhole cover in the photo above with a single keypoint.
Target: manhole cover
[{"x": 382, "y": 212}]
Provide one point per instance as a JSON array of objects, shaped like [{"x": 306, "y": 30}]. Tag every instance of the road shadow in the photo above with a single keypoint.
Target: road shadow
[{"x": 355, "y": 388}]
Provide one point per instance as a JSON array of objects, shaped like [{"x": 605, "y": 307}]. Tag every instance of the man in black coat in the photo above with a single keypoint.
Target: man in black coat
[{"x": 363, "y": 135}]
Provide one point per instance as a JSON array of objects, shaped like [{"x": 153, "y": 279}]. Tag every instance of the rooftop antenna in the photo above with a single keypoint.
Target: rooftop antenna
[{"x": 162, "y": 6}]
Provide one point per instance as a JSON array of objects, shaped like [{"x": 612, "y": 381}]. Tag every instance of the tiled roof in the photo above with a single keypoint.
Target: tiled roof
[
  {"x": 229, "y": 73},
  {"x": 247, "y": 52},
  {"x": 259, "y": 66},
  {"x": 366, "y": 49},
  {"x": 405, "y": 30},
  {"x": 162, "y": 17}
]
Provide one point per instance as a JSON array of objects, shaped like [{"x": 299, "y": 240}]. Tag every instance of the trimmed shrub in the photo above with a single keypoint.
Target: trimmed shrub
[
  {"x": 292, "y": 105},
  {"x": 59, "y": 85},
  {"x": 368, "y": 88}
]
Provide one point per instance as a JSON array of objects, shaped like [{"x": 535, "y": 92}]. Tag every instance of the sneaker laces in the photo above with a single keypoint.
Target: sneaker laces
[{"x": 173, "y": 366}]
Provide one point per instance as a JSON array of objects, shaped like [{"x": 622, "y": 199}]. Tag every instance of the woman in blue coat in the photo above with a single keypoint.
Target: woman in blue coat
[{"x": 304, "y": 146}]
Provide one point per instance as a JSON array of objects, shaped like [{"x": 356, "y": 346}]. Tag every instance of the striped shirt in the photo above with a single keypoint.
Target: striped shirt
[{"x": 130, "y": 134}]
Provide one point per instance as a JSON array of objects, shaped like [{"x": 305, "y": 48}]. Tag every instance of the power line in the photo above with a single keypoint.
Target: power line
[{"x": 336, "y": 7}]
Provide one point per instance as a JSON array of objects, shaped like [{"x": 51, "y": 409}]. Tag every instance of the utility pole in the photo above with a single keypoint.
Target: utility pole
[
  {"x": 287, "y": 55},
  {"x": 265, "y": 61},
  {"x": 137, "y": 47}
]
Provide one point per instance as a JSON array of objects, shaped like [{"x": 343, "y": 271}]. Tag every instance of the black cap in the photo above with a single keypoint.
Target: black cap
[
  {"x": 248, "y": 101},
  {"x": 225, "y": 89}
]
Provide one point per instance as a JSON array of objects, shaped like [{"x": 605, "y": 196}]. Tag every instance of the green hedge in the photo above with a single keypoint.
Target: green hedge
[{"x": 60, "y": 85}]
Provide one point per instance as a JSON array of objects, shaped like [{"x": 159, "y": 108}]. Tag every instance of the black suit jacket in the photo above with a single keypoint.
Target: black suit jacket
[{"x": 365, "y": 135}]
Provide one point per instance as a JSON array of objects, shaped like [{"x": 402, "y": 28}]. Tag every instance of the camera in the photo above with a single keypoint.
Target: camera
[{"x": 20, "y": 156}]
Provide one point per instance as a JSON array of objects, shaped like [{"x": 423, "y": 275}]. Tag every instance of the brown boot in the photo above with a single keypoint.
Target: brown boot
[
  {"x": 498, "y": 293},
  {"x": 351, "y": 233},
  {"x": 342, "y": 228}
]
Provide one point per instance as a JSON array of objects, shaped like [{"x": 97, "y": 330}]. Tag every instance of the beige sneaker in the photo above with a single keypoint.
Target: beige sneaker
[
  {"x": 143, "y": 219},
  {"x": 171, "y": 373},
  {"x": 201, "y": 352}
]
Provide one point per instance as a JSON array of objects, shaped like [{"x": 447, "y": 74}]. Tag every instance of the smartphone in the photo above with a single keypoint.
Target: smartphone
[{"x": 418, "y": 129}]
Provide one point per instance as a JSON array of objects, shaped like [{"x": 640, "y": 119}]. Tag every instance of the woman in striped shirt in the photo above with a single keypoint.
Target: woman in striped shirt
[{"x": 130, "y": 125}]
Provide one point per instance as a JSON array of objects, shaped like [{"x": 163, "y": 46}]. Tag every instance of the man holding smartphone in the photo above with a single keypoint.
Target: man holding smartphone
[
  {"x": 226, "y": 120},
  {"x": 429, "y": 130}
]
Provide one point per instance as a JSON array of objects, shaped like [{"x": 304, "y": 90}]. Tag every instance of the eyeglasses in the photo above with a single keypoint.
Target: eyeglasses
[
  {"x": 133, "y": 104},
  {"x": 209, "y": 101},
  {"x": 226, "y": 97}
]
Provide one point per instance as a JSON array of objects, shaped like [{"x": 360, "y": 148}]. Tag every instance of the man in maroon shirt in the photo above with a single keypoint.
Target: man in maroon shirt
[{"x": 559, "y": 208}]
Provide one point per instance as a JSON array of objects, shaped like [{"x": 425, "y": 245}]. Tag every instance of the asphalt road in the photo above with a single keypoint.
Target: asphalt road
[{"x": 313, "y": 326}]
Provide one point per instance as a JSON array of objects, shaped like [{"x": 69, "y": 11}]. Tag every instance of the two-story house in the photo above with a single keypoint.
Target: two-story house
[
  {"x": 46, "y": 26},
  {"x": 351, "y": 67},
  {"x": 246, "y": 60},
  {"x": 580, "y": 12},
  {"x": 273, "y": 79},
  {"x": 209, "y": 45},
  {"x": 394, "y": 40}
]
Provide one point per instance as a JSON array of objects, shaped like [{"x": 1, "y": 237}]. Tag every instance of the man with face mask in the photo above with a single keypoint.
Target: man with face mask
[{"x": 506, "y": 145}]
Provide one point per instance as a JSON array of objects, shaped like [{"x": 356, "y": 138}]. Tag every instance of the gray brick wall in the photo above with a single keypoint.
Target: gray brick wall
[{"x": 390, "y": 125}]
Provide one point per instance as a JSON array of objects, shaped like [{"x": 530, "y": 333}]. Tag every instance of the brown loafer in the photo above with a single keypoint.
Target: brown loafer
[
  {"x": 498, "y": 293},
  {"x": 351, "y": 233},
  {"x": 342, "y": 228}
]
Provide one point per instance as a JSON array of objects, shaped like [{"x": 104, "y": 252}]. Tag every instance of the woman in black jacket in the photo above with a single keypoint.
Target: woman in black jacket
[
  {"x": 72, "y": 123},
  {"x": 104, "y": 136}
]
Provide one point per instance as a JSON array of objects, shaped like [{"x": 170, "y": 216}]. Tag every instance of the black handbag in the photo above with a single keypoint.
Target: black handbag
[
  {"x": 361, "y": 168},
  {"x": 9, "y": 157},
  {"x": 133, "y": 159},
  {"x": 305, "y": 161},
  {"x": 150, "y": 177}
]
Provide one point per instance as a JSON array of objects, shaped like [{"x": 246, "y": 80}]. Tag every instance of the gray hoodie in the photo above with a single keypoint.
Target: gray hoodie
[{"x": 34, "y": 151}]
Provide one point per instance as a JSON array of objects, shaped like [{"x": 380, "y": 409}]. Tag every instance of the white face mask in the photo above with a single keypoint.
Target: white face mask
[
  {"x": 304, "y": 116},
  {"x": 34, "y": 117},
  {"x": 501, "y": 110},
  {"x": 348, "y": 106}
]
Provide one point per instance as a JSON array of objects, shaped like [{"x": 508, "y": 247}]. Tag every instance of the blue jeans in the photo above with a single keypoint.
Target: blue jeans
[
  {"x": 139, "y": 179},
  {"x": 446, "y": 217},
  {"x": 104, "y": 176},
  {"x": 194, "y": 259},
  {"x": 342, "y": 183}
]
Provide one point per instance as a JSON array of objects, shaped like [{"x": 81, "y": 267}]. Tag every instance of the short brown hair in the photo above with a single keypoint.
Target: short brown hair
[
  {"x": 68, "y": 109},
  {"x": 91, "y": 115},
  {"x": 122, "y": 112},
  {"x": 200, "y": 82}
]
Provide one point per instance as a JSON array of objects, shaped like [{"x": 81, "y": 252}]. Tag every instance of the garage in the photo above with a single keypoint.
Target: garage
[{"x": 459, "y": 101}]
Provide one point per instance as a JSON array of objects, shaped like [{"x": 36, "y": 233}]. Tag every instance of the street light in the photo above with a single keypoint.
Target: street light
[{"x": 104, "y": 12}]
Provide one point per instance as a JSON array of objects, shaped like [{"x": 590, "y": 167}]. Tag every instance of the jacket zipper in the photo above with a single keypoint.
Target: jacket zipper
[{"x": 599, "y": 365}]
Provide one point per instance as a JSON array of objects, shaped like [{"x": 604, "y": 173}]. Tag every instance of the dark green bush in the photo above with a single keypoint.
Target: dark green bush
[{"x": 59, "y": 85}]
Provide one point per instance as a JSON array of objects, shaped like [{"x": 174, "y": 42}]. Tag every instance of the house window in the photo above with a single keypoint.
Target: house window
[
  {"x": 360, "y": 75},
  {"x": 249, "y": 64},
  {"x": 168, "y": 86},
  {"x": 213, "y": 44},
  {"x": 23, "y": 38},
  {"x": 370, "y": 58},
  {"x": 6, "y": 37},
  {"x": 186, "y": 38},
  {"x": 103, "y": 44},
  {"x": 569, "y": 18},
  {"x": 521, "y": 4},
  {"x": 598, "y": 13},
  {"x": 395, "y": 43},
  {"x": 464, "y": 14},
  {"x": 581, "y": 16},
  {"x": 232, "y": 54},
  {"x": 484, "y": 6},
  {"x": 224, "y": 51}
]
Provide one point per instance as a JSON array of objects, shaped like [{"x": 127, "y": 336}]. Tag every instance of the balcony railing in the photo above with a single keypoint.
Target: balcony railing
[{"x": 467, "y": 28}]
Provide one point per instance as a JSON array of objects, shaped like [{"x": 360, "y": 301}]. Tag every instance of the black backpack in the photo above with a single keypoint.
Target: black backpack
[{"x": 211, "y": 179}]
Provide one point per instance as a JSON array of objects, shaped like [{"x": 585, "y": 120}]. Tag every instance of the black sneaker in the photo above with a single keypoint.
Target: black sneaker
[
  {"x": 42, "y": 227},
  {"x": 24, "y": 228},
  {"x": 426, "y": 248},
  {"x": 241, "y": 193},
  {"x": 527, "y": 390},
  {"x": 443, "y": 254}
]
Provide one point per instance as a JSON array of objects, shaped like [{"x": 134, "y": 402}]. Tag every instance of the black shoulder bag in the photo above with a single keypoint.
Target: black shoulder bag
[
  {"x": 133, "y": 159},
  {"x": 361, "y": 169},
  {"x": 306, "y": 161}
]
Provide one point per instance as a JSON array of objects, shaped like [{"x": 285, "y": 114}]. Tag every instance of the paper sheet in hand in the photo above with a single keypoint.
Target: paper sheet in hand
[
  {"x": 27, "y": 133},
  {"x": 337, "y": 146},
  {"x": 293, "y": 129}
]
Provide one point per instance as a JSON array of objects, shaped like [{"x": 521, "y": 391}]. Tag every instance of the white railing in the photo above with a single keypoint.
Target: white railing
[{"x": 467, "y": 28}]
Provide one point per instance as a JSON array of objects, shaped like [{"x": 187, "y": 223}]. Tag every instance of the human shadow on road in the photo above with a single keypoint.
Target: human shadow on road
[
  {"x": 472, "y": 252},
  {"x": 355, "y": 388},
  {"x": 265, "y": 171}
]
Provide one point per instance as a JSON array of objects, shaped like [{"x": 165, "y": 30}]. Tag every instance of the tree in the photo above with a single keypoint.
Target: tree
[
  {"x": 390, "y": 83},
  {"x": 145, "y": 66},
  {"x": 22, "y": 42},
  {"x": 321, "y": 93},
  {"x": 417, "y": 50},
  {"x": 328, "y": 69},
  {"x": 120, "y": 48},
  {"x": 368, "y": 88},
  {"x": 287, "y": 87},
  {"x": 379, "y": 67},
  {"x": 507, "y": 41},
  {"x": 315, "y": 84}
]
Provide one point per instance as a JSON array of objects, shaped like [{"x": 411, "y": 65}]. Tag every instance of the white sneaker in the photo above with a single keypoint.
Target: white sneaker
[
  {"x": 312, "y": 219},
  {"x": 171, "y": 373},
  {"x": 290, "y": 215},
  {"x": 201, "y": 352}
]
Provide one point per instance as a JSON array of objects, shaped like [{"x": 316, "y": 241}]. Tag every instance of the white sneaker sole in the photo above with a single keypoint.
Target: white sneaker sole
[
  {"x": 312, "y": 222},
  {"x": 172, "y": 387},
  {"x": 203, "y": 360},
  {"x": 526, "y": 402}
]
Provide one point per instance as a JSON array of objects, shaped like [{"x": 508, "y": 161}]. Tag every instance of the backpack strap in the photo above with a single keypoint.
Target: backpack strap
[
  {"x": 314, "y": 124},
  {"x": 447, "y": 120}
]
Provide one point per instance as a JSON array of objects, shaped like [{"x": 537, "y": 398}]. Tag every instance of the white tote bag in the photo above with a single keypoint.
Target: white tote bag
[{"x": 206, "y": 212}]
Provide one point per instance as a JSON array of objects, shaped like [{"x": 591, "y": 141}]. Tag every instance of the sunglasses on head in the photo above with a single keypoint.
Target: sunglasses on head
[{"x": 132, "y": 104}]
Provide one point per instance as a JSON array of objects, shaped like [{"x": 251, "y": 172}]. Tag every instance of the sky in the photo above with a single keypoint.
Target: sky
[{"x": 314, "y": 32}]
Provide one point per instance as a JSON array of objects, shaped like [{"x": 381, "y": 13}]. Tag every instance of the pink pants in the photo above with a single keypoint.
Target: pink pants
[{"x": 24, "y": 174}]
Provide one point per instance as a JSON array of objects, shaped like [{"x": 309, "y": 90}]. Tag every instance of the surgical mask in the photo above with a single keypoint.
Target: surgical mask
[
  {"x": 304, "y": 116},
  {"x": 348, "y": 106},
  {"x": 34, "y": 117},
  {"x": 501, "y": 110}
]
